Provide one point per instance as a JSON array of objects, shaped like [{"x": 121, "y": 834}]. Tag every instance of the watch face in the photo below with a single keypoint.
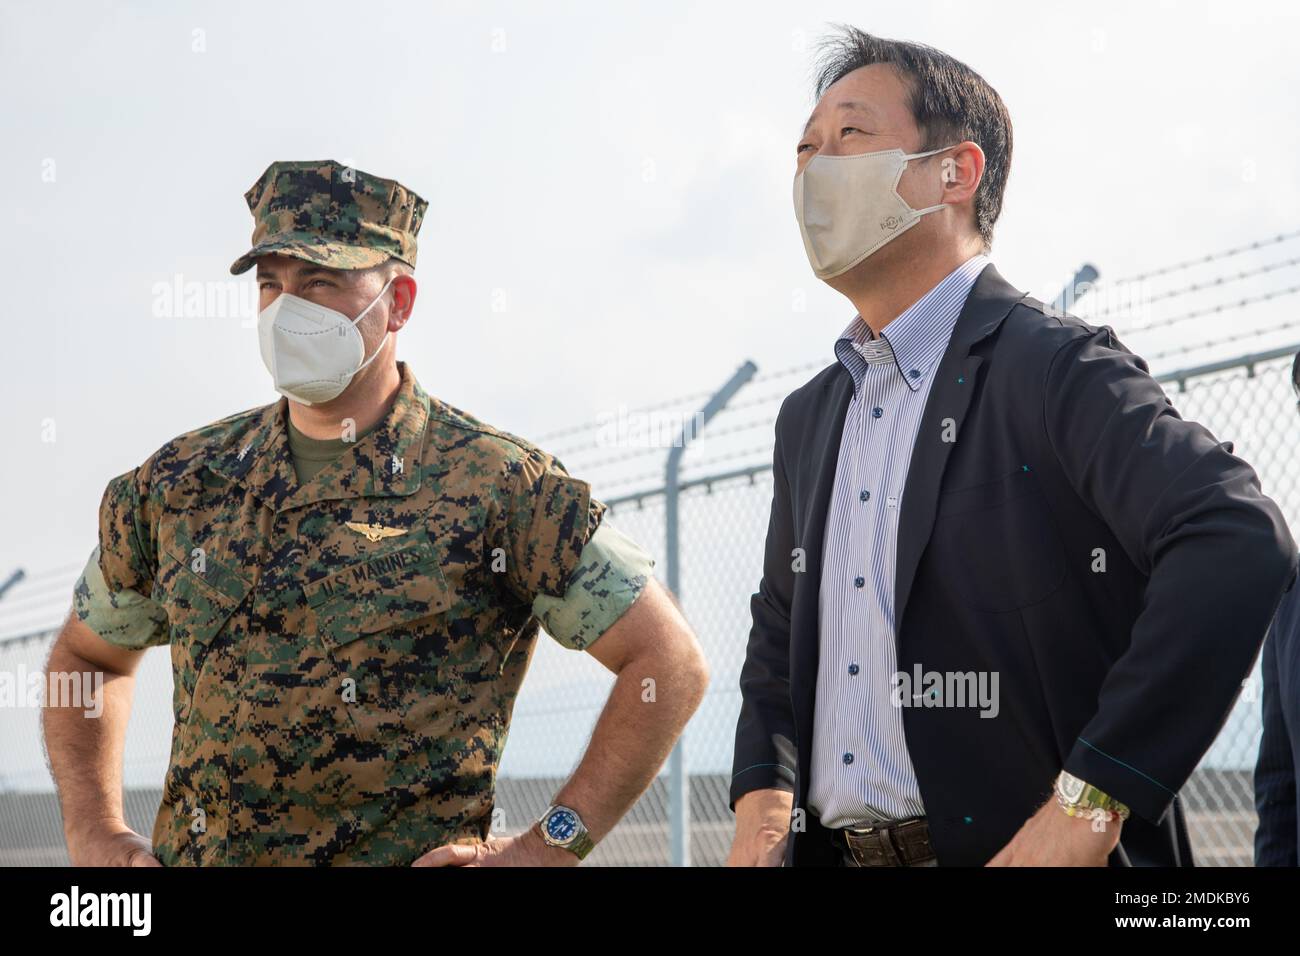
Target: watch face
[
  {"x": 1071, "y": 786},
  {"x": 562, "y": 825}
]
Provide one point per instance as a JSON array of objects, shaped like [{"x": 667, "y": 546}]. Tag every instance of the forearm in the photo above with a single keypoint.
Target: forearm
[
  {"x": 651, "y": 701},
  {"x": 85, "y": 751},
  {"x": 768, "y": 808}
]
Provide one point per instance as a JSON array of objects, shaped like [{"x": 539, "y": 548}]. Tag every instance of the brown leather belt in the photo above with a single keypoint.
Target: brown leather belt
[{"x": 905, "y": 843}]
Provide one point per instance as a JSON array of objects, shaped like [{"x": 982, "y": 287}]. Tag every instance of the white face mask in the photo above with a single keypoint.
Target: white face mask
[
  {"x": 849, "y": 206},
  {"x": 311, "y": 351}
]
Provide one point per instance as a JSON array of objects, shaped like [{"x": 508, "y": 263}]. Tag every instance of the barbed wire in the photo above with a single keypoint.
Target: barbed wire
[
  {"x": 681, "y": 400},
  {"x": 1213, "y": 310},
  {"x": 792, "y": 369},
  {"x": 770, "y": 398},
  {"x": 20, "y": 596},
  {"x": 1204, "y": 286},
  {"x": 600, "y": 422},
  {"x": 1211, "y": 257},
  {"x": 19, "y": 630},
  {"x": 618, "y": 459},
  {"x": 38, "y": 576},
  {"x": 766, "y": 398},
  {"x": 765, "y": 422},
  {"x": 50, "y": 597},
  {"x": 689, "y": 469},
  {"x": 1212, "y": 343}
]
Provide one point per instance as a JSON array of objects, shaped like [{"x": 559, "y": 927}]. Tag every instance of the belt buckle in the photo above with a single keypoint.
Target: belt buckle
[{"x": 882, "y": 845}]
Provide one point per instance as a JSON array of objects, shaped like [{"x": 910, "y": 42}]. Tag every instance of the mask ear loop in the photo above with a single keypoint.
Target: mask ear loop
[
  {"x": 380, "y": 348},
  {"x": 911, "y": 156}
]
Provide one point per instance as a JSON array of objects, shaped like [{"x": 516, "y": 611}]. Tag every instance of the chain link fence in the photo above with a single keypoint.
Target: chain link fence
[{"x": 723, "y": 523}]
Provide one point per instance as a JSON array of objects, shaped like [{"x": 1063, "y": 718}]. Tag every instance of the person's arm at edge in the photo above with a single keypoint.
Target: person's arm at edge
[{"x": 1275, "y": 791}]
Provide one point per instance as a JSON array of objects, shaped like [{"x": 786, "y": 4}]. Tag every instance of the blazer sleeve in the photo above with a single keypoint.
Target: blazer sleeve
[
  {"x": 1275, "y": 796},
  {"x": 765, "y": 752},
  {"x": 1216, "y": 552}
]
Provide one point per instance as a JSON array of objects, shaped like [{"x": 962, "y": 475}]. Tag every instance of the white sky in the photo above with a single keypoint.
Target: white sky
[{"x": 621, "y": 173}]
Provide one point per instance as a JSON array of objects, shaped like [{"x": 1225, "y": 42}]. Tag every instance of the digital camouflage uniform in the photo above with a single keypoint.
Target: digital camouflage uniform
[{"x": 346, "y": 653}]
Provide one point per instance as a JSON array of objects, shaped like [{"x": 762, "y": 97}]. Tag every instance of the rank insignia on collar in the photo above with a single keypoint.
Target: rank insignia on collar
[{"x": 374, "y": 532}]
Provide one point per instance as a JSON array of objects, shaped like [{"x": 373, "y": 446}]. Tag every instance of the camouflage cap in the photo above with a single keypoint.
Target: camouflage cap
[{"x": 332, "y": 214}]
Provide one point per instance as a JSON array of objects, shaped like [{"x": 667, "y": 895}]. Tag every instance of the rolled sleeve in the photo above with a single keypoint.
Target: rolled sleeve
[
  {"x": 611, "y": 574},
  {"x": 112, "y": 596},
  {"x": 122, "y": 617}
]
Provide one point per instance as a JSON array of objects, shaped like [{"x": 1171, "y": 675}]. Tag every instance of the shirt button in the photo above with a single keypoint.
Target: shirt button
[
  {"x": 914, "y": 373},
  {"x": 877, "y": 412},
  {"x": 853, "y": 670},
  {"x": 848, "y": 759},
  {"x": 864, "y": 495},
  {"x": 859, "y": 582}
]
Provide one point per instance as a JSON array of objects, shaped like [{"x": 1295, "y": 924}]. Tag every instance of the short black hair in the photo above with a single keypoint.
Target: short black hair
[{"x": 950, "y": 102}]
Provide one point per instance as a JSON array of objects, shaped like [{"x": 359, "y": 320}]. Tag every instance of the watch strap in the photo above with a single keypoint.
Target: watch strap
[{"x": 580, "y": 845}]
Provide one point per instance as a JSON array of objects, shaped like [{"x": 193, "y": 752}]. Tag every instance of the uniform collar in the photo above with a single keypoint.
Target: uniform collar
[
  {"x": 914, "y": 341},
  {"x": 384, "y": 463}
]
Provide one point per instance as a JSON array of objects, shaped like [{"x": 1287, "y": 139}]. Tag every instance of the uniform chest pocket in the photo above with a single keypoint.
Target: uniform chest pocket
[
  {"x": 379, "y": 591},
  {"x": 200, "y": 594},
  {"x": 997, "y": 544},
  {"x": 382, "y": 619}
]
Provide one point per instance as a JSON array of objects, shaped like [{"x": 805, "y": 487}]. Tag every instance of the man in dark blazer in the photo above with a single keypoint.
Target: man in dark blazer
[
  {"x": 1277, "y": 842},
  {"x": 1019, "y": 508}
]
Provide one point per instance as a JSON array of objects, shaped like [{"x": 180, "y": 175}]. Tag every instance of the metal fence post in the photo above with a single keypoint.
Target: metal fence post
[
  {"x": 679, "y": 790},
  {"x": 1079, "y": 286},
  {"x": 13, "y": 579}
]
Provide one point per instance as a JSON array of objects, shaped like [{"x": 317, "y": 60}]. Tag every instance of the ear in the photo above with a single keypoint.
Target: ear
[
  {"x": 961, "y": 169},
  {"x": 403, "y": 289}
]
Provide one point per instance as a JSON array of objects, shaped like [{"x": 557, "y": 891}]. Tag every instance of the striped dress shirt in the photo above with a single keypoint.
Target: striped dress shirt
[{"x": 861, "y": 771}]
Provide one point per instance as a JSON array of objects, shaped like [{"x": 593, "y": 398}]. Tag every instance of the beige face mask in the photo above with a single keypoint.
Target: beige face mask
[{"x": 849, "y": 206}]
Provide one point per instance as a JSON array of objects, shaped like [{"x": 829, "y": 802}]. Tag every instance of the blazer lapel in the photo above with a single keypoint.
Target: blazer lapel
[
  {"x": 956, "y": 379},
  {"x": 945, "y": 411}
]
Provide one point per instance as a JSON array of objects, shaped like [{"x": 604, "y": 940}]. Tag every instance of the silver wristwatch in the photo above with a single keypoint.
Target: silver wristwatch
[{"x": 562, "y": 827}]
